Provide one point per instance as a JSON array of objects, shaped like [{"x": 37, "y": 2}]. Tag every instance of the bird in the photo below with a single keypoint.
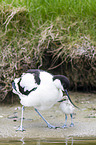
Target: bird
[
  {"x": 41, "y": 90},
  {"x": 68, "y": 109}
]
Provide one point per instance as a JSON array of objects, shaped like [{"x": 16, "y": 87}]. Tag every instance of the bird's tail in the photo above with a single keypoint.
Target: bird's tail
[{"x": 13, "y": 86}]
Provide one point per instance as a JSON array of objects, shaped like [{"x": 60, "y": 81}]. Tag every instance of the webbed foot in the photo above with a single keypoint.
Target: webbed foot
[
  {"x": 52, "y": 126},
  {"x": 72, "y": 124},
  {"x": 20, "y": 129},
  {"x": 64, "y": 126}
]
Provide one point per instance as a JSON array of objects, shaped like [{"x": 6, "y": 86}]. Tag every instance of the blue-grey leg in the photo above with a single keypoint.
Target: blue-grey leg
[
  {"x": 48, "y": 124},
  {"x": 21, "y": 126},
  {"x": 72, "y": 124},
  {"x": 65, "y": 124}
]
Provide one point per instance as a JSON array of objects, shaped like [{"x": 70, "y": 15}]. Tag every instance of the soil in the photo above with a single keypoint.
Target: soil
[{"x": 84, "y": 120}]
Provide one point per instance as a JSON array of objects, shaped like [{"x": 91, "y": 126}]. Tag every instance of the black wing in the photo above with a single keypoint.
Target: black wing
[{"x": 36, "y": 73}]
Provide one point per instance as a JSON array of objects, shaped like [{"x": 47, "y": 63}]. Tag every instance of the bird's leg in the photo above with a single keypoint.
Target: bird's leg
[
  {"x": 72, "y": 124},
  {"x": 65, "y": 126},
  {"x": 48, "y": 124},
  {"x": 21, "y": 126}
]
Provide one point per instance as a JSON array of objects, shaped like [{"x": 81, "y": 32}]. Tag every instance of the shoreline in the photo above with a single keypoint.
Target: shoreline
[{"x": 84, "y": 121}]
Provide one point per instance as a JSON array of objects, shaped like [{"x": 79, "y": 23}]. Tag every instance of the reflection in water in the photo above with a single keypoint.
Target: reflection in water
[
  {"x": 38, "y": 143},
  {"x": 68, "y": 141},
  {"x": 22, "y": 140}
]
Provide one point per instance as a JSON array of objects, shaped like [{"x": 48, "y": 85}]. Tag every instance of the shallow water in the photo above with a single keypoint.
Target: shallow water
[{"x": 69, "y": 141}]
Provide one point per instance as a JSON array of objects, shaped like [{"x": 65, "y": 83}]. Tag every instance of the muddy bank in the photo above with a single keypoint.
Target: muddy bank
[{"x": 84, "y": 120}]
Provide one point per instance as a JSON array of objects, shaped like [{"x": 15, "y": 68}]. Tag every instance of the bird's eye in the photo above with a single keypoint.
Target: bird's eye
[{"x": 64, "y": 99}]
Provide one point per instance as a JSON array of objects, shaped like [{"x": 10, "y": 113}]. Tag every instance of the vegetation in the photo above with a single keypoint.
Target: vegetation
[{"x": 55, "y": 35}]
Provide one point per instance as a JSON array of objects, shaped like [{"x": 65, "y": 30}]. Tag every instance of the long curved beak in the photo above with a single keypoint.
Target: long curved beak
[{"x": 70, "y": 99}]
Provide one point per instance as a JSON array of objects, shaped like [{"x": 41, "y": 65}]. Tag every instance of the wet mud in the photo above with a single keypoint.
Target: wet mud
[{"x": 84, "y": 120}]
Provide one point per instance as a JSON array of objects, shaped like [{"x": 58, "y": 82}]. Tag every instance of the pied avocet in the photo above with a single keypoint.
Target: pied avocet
[
  {"x": 41, "y": 90},
  {"x": 68, "y": 109}
]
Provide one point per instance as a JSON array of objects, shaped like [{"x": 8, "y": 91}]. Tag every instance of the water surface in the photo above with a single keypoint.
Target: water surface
[{"x": 70, "y": 141}]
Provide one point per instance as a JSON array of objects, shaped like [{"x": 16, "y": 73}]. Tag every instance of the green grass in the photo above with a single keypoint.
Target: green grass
[
  {"x": 69, "y": 11},
  {"x": 39, "y": 20}
]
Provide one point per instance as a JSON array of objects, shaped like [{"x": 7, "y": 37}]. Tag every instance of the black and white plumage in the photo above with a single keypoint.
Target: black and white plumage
[
  {"x": 68, "y": 109},
  {"x": 40, "y": 89}
]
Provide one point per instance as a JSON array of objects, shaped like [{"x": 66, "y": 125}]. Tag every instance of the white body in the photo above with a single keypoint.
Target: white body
[
  {"x": 46, "y": 94},
  {"x": 67, "y": 107}
]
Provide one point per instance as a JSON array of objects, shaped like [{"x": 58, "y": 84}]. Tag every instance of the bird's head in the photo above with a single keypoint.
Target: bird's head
[{"x": 64, "y": 98}]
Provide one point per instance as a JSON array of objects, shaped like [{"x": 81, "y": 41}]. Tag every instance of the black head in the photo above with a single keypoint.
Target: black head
[{"x": 64, "y": 80}]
